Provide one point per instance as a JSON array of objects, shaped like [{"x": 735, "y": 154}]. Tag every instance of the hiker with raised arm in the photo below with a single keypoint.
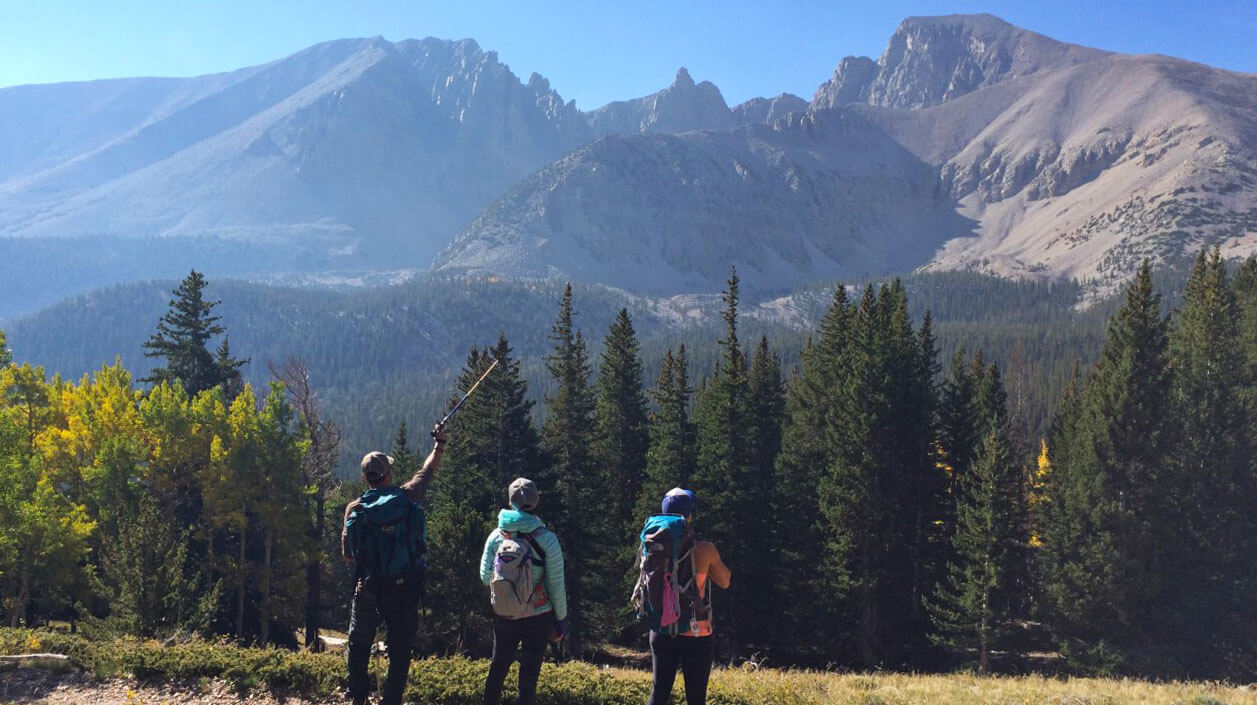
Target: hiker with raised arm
[
  {"x": 673, "y": 597},
  {"x": 385, "y": 537},
  {"x": 522, "y": 564}
]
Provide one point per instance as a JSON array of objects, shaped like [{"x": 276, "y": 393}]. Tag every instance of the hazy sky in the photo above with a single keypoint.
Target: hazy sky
[{"x": 591, "y": 50}]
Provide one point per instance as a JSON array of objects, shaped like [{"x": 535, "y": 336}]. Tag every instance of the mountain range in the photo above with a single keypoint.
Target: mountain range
[{"x": 969, "y": 144}]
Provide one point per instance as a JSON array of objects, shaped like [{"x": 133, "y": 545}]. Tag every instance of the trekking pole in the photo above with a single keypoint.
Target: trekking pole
[{"x": 451, "y": 412}]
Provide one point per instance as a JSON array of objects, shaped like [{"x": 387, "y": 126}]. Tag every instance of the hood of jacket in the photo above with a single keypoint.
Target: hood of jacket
[{"x": 515, "y": 520}]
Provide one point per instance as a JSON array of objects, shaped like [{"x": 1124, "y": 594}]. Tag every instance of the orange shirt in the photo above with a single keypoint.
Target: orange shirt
[{"x": 707, "y": 567}]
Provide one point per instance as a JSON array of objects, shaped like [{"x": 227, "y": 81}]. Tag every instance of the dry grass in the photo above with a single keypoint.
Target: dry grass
[
  {"x": 962, "y": 689},
  {"x": 459, "y": 681}
]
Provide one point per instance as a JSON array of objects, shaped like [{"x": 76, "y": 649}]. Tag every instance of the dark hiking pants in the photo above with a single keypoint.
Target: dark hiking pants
[
  {"x": 530, "y": 635},
  {"x": 692, "y": 654},
  {"x": 394, "y": 600}
]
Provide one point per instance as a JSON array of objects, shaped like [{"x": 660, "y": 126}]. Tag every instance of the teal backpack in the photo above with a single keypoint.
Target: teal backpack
[{"x": 387, "y": 533}]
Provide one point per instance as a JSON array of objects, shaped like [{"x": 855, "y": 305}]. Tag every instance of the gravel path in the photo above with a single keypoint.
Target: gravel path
[{"x": 31, "y": 685}]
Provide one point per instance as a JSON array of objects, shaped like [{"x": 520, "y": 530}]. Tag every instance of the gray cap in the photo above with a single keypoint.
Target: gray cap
[
  {"x": 523, "y": 494},
  {"x": 375, "y": 465}
]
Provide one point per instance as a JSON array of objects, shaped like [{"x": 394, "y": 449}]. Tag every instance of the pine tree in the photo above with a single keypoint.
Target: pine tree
[
  {"x": 975, "y": 607},
  {"x": 182, "y": 336},
  {"x": 228, "y": 369},
  {"x": 916, "y": 489},
  {"x": 583, "y": 508},
  {"x": 623, "y": 423},
  {"x": 729, "y": 511},
  {"x": 766, "y": 414},
  {"x": 6, "y": 355},
  {"x": 492, "y": 440},
  {"x": 805, "y": 454},
  {"x": 672, "y": 456},
  {"x": 1213, "y": 494},
  {"x": 1105, "y": 497},
  {"x": 156, "y": 588},
  {"x": 881, "y": 482},
  {"x": 405, "y": 462}
]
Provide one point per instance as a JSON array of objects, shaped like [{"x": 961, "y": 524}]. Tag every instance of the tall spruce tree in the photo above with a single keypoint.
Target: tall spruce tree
[
  {"x": 805, "y": 453},
  {"x": 881, "y": 481},
  {"x": 578, "y": 482},
  {"x": 729, "y": 511},
  {"x": 974, "y": 608},
  {"x": 492, "y": 440},
  {"x": 182, "y": 339},
  {"x": 1213, "y": 495},
  {"x": 672, "y": 457},
  {"x": 1108, "y": 523},
  {"x": 623, "y": 421},
  {"x": 919, "y": 487},
  {"x": 405, "y": 462},
  {"x": 766, "y": 414}
]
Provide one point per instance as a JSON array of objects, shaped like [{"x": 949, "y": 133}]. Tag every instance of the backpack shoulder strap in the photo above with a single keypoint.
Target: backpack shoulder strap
[{"x": 531, "y": 538}]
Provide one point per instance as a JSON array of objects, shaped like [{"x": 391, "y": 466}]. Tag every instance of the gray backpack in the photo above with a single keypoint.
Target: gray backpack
[{"x": 513, "y": 591}]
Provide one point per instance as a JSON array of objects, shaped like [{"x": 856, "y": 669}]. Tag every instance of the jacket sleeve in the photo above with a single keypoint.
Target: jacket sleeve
[
  {"x": 486, "y": 558},
  {"x": 717, "y": 571},
  {"x": 556, "y": 588}
]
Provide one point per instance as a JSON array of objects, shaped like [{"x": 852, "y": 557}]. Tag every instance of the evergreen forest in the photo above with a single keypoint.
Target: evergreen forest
[{"x": 937, "y": 472}]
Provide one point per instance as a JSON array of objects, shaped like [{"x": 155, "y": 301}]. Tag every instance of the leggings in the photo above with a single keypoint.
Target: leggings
[
  {"x": 692, "y": 654},
  {"x": 530, "y": 635}
]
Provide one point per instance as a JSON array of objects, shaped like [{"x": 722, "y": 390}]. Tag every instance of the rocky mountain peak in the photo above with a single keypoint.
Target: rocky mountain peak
[
  {"x": 931, "y": 60},
  {"x": 682, "y": 106},
  {"x": 538, "y": 83},
  {"x": 768, "y": 110}
]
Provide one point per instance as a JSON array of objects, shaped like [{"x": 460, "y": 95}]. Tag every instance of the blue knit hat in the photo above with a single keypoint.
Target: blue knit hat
[{"x": 679, "y": 501}]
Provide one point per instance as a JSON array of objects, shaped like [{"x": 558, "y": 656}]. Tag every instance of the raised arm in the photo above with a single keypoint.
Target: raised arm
[{"x": 416, "y": 488}]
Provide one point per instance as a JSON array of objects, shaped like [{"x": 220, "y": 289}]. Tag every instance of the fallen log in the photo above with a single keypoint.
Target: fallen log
[{"x": 34, "y": 660}]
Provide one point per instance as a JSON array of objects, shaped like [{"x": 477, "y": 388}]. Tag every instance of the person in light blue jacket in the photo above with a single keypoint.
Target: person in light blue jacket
[{"x": 525, "y": 621}]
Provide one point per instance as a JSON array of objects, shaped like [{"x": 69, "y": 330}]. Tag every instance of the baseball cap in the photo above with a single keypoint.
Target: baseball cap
[
  {"x": 523, "y": 494},
  {"x": 679, "y": 501},
  {"x": 375, "y": 465}
]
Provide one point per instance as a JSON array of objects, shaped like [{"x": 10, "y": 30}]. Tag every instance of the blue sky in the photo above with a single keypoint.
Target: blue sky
[{"x": 592, "y": 51}]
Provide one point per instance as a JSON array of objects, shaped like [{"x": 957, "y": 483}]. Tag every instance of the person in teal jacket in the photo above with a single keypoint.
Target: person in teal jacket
[{"x": 544, "y": 619}]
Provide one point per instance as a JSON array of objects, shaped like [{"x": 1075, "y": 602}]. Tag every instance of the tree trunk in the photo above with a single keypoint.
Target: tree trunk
[
  {"x": 267, "y": 573},
  {"x": 314, "y": 577},
  {"x": 23, "y": 595},
  {"x": 240, "y": 588},
  {"x": 868, "y": 630},
  {"x": 984, "y": 653}
]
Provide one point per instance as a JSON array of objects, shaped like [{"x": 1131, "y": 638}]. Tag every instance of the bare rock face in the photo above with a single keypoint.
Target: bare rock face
[
  {"x": 931, "y": 60},
  {"x": 815, "y": 197},
  {"x": 850, "y": 84},
  {"x": 767, "y": 110},
  {"x": 681, "y": 107}
]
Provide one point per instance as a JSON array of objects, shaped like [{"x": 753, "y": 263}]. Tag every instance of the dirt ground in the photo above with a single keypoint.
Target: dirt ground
[{"x": 35, "y": 685}]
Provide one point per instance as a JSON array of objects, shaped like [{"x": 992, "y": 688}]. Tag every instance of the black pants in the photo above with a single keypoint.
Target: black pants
[
  {"x": 532, "y": 633},
  {"x": 692, "y": 654},
  {"x": 395, "y": 601}
]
